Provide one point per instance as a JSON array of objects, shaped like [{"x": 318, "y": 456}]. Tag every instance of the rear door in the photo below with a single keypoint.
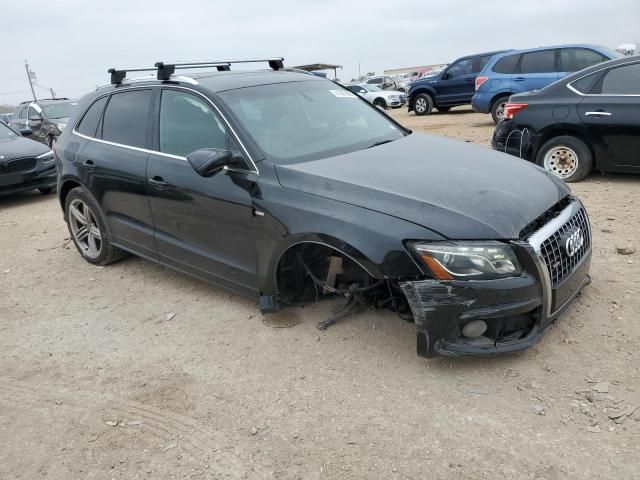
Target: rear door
[
  {"x": 611, "y": 114},
  {"x": 572, "y": 60},
  {"x": 113, "y": 165},
  {"x": 535, "y": 70},
  {"x": 202, "y": 224},
  {"x": 457, "y": 83}
]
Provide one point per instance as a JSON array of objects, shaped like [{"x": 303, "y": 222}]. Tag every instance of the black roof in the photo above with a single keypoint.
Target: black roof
[{"x": 221, "y": 81}]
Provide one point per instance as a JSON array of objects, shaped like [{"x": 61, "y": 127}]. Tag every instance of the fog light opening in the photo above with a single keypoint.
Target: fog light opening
[{"x": 474, "y": 329}]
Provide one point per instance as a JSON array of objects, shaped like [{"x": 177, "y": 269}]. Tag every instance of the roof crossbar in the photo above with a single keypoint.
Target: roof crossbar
[{"x": 165, "y": 70}]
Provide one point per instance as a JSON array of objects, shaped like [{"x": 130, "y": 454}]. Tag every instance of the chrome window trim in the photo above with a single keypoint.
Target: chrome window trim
[
  {"x": 575, "y": 90},
  {"x": 156, "y": 152}
]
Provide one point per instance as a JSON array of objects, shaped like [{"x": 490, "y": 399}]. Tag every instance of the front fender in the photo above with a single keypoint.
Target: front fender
[{"x": 371, "y": 239}]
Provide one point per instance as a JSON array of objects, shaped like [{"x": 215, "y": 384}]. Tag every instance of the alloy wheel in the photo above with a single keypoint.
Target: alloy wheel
[
  {"x": 561, "y": 161},
  {"x": 500, "y": 111},
  {"x": 421, "y": 105},
  {"x": 85, "y": 229}
]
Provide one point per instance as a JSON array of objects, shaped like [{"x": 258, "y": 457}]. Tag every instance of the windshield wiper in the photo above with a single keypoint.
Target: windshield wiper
[{"x": 381, "y": 142}]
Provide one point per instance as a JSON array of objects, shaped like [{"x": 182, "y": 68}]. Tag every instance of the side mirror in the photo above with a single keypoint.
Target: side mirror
[
  {"x": 209, "y": 161},
  {"x": 25, "y": 132},
  {"x": 446, "y": 76}
]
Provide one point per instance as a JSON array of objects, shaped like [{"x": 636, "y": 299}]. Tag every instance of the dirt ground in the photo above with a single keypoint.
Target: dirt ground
[{"x": 135, "y": 371}]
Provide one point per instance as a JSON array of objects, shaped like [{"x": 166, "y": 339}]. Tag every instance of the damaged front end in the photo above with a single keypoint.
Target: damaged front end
[{"x": 502, "y": 315}]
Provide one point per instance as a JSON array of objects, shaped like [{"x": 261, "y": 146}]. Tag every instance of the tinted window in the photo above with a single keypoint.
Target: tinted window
[
  {"x": 126, "y": 118},
  {"x": 575, "y": 59},
  {"x": 585, "y": 84},
  {"x": 375, "y": 80},
  {"x": 188, "y": 124},
  {"x": 484, "y": 60},
  {"x": 622, "y": 81},
  {"x": 463, "y": 67},
  {"x": 89, "y": 123},
  {"x": 542, "y": 61},
  {"x": 506, "y": 64}
]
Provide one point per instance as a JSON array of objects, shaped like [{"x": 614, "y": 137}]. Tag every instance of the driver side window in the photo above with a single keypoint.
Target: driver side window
[
  {"x": 33, "y": 114},
  {"x": 463, "y": 67},
  {"x": 188, "y": 124}
]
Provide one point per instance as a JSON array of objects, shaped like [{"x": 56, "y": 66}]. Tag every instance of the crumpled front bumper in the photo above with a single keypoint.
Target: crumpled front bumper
[{"x": 517, "y": 310}]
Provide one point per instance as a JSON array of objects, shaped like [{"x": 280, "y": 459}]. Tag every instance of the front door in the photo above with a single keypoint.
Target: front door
[
  {"x": 611, "y": 114},
  {"x": 113, "y": 165},
  {"x": 457, "y": 83},
  {"x": 203, "y": 225}
]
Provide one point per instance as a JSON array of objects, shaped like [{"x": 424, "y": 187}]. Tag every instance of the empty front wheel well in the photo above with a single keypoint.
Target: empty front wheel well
[{"x": 307, "y": 270}]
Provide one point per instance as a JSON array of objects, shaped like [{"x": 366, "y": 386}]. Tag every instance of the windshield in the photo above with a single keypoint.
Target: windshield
[
  {"x": 372, "y": 88},
  {"x": 301, "y": 121},
  {"x": 6, "y": 132},
  {"x": 59, "y": 109}
]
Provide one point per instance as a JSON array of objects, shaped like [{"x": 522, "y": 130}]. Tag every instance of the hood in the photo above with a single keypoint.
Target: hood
[
  {"x": 64, "y": 120},
  {"x": 20, "y": 147},
  {"x": 389, "y": 93},
  {"x": 458, "y": 190}
]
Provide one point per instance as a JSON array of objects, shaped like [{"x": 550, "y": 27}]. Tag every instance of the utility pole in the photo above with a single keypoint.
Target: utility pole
[
  {"x": 30, "y": 74},
  {"x": 53, "y": 94}
]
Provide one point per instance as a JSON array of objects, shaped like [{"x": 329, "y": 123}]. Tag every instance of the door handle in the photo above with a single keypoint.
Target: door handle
[
  {"x": 157, "y": 182},
  {"x": 89, "y": 165},
  {"x": 599, "y": 113},
  {"x": 519, "y": 79}
]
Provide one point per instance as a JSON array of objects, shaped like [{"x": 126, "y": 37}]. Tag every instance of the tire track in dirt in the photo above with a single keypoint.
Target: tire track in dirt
[{"x": 164, "y": 425}]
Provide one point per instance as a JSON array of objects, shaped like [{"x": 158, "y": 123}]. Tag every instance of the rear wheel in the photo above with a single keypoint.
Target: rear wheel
[
  {"x": 88, "y": 228},
  {"x": 423, "y": 104},
  {"x": 497, "y": 110},
  {"x": 567, "y": 157},
  {"x": 380, "y": 103}
]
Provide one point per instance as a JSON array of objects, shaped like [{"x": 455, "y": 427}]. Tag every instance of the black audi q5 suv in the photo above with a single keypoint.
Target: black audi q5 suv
[{"x": 285, "y": 187}]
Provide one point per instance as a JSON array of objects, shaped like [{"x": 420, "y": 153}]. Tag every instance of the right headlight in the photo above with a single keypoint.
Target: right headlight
[
  {"x": 469, "y": 260},
  {"x": 45, "y": 157}
]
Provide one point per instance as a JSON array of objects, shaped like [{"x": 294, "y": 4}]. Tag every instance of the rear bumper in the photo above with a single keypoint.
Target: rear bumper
[
  {"x": 519, "y": 142},
  {"x": 43, "y": 176},
  {"x": 517, "y": 311},
  {"x": 481, "y": 103}
]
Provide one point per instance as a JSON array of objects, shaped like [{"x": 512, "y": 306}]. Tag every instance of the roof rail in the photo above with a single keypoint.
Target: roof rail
[{"x": 166, "y": 69}]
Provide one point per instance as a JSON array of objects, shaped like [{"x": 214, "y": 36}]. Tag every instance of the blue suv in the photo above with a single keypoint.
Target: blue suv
[
  {"x": 526, "y": 70},
  {"x": 452, "y": 87}
]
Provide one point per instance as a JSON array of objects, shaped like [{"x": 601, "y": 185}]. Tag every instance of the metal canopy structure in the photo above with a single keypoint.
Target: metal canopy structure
[{"x": 321, "y": 66}]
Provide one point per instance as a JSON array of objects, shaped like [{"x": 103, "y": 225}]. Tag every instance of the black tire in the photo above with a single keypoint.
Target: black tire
[
  {"x": 423, "y": 108},
  {"x": 380, "y": 103},
  {"x": 107, "y": 253},
  {"x": 45, "y": 190},
  {"x": 443, "y": 109},
  {"x": 497, "y": 109},
  {"x": 567, "y": 149}
]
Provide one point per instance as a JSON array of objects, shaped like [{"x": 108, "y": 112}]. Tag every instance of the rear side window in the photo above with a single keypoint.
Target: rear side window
[
  {"x": 89, "y": 123},
  {"x": 575, "y": 59},
  {"x": 375, "y": 80},
  {"x": 622, "y": 81},
  {"x": 542, "y": 61},
  {"x": 188, "y": 124},
  {"x": 126, "y": 118},
  {"x": 506, "y": 64},
  {"x": 585, "y": 84},
  {"x": 484, "y": 60}
]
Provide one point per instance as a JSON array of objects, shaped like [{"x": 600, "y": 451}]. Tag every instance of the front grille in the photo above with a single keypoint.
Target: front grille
[
  {"x": 559, "y": 263},
  {"x": 19, "y": 165}
]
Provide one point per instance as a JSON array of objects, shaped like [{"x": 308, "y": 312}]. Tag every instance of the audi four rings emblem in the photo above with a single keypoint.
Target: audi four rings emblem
[{"x": 574, "y": 242}]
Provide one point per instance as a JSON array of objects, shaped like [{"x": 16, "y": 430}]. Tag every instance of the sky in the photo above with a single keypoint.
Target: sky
[{"x": 71, "y": 46}]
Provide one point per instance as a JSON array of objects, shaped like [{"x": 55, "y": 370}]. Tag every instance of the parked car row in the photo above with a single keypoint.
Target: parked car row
[
  {"x": 588, "y": 120},
  {"x": 487, "y": 80}
]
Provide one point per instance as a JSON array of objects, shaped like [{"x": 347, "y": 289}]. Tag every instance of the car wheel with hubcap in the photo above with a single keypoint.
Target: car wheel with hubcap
[
  {"x": 88, "y": 229},
  {"x": 497, "y": 110},
  {"x": 568, "y": 158},
  {"x": 423, "y": 104}
]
